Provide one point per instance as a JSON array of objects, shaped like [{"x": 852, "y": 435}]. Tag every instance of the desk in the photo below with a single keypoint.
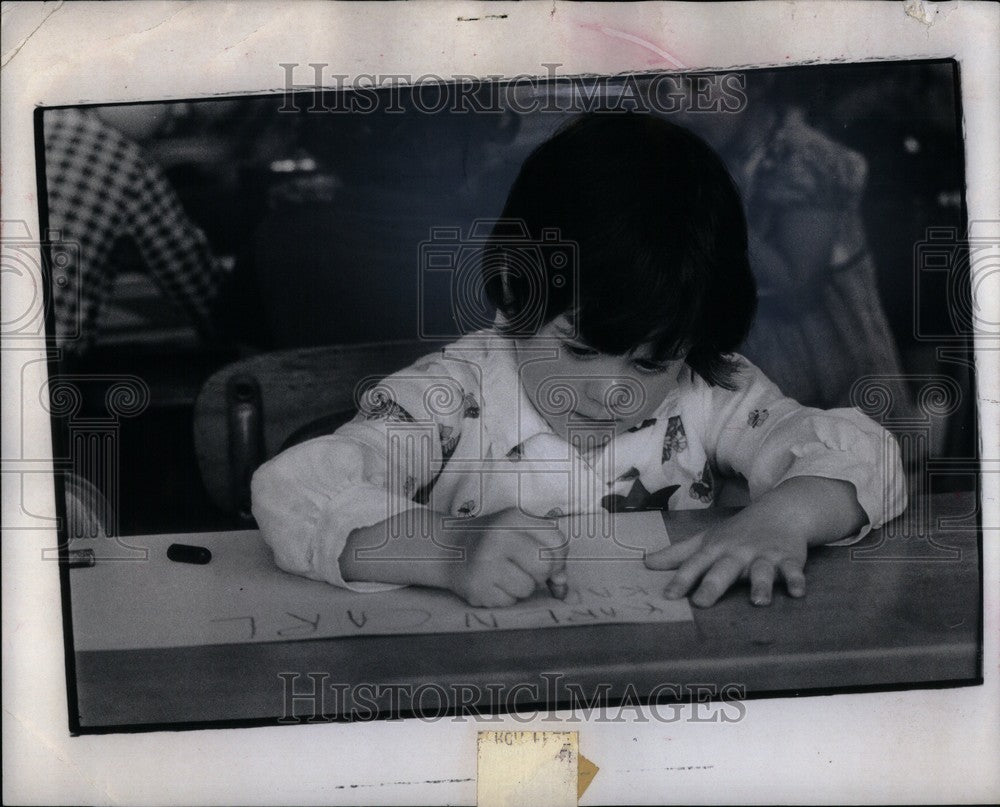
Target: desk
[{"x": 890, "y": 612}]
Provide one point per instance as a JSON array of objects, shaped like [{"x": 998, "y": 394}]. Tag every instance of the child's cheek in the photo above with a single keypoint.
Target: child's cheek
[
  {"x": 532, "y": 376},
  {"x": 655, "y": 389},
  {"x": 544, "y": 378}
]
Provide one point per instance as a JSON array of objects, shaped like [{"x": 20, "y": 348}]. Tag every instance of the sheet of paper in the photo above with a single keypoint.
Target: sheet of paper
[{"x": 241, "y": 596}]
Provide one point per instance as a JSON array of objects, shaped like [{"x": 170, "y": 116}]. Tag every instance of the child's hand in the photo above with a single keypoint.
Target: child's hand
[
  {"x": 722, "y": 555},
  {"x": 504, "y": 557},
  {"x": 771, "y": 537}
]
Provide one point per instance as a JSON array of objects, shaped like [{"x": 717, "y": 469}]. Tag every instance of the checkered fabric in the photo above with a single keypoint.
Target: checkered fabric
[{"x": 101, "y": 189}]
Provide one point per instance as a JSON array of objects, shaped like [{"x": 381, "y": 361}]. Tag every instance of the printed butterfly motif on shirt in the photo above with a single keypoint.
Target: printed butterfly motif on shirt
[
  {"x": 675, "y": 439},
  {"x": 448, "y": 438},
  {"x": 703, "y": 488},
  {"x": 380, "y": 406},
  {"x": 639, "y": 498},
  {"x": 471, "y": 407}
]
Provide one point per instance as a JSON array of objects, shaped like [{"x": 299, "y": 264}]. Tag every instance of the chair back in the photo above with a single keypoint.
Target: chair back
[{"x": 252, "y": 409}]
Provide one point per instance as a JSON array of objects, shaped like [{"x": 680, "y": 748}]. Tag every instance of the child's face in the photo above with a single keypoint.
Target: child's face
[{"x": 582, "y": 387}]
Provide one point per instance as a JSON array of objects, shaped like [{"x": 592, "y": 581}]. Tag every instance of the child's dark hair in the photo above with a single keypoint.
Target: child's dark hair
[{"x": 661, "y": 241}]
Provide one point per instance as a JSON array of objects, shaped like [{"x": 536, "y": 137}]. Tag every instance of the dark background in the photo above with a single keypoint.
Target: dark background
[{"x": 323, "y": 214}]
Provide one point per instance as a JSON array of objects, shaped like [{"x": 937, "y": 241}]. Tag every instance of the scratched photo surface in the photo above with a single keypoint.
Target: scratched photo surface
[{"x": 231, "y": 278}]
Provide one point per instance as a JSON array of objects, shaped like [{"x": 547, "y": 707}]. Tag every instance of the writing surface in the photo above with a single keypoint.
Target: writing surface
[{"x": 242, "y": 596}]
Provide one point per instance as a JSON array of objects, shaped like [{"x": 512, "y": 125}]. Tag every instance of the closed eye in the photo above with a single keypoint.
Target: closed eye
[
  {"x": 650, "y": 367},
  {"x": 579, "y": 350}
]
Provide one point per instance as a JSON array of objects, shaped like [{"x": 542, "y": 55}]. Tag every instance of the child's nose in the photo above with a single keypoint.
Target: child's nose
[{"x": 615, "y": 394}]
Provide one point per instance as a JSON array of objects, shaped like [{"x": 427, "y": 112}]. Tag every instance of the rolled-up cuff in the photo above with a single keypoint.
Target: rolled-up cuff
[{"x": 877, "y": 477}]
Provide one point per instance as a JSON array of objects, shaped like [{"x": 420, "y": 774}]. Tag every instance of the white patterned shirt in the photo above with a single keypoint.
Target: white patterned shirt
[{"x": 456, "y": 433}]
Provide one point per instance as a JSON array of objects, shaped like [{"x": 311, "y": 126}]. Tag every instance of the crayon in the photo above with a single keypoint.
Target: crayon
[
  {"x": 188, "y": 553},
  {"x": 81, "y": 558},
  {"x": 558, "y": 585}
]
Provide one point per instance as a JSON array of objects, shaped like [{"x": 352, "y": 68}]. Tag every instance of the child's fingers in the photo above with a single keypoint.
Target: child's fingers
[
  {"x": 672, "y": 556},
  {"x": 516, "y": 582},
  {"x": 795, "y": 579},
  {"x": 551, "y": 549},
  {"x": 762, "y": 572},
  {"x": 537, "y": 570},
  {"x": 556, "y": 569},
  {"x": 723, "y": 573},
  {"x": 689, "y": 572},
  {"x": 498, "y": 598},
  {"x": 535, "y": 560},
  {"x": 559, "y": 579}
]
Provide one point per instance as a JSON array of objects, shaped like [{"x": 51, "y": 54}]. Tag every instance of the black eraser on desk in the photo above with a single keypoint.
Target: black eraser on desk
[{"x": 188, "y": 553}]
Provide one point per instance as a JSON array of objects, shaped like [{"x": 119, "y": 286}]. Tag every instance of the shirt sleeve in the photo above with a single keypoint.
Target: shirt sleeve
[
  {"x": 308, "y": 499},
  {"x": 766, "y": 437}
]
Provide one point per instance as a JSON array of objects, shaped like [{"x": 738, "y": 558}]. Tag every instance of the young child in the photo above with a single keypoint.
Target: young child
[{"x": 608, "y": 382}]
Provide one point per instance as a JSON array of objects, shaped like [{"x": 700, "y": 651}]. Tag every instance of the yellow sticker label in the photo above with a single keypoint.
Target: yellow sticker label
[{"x": 528, "y": 767}]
